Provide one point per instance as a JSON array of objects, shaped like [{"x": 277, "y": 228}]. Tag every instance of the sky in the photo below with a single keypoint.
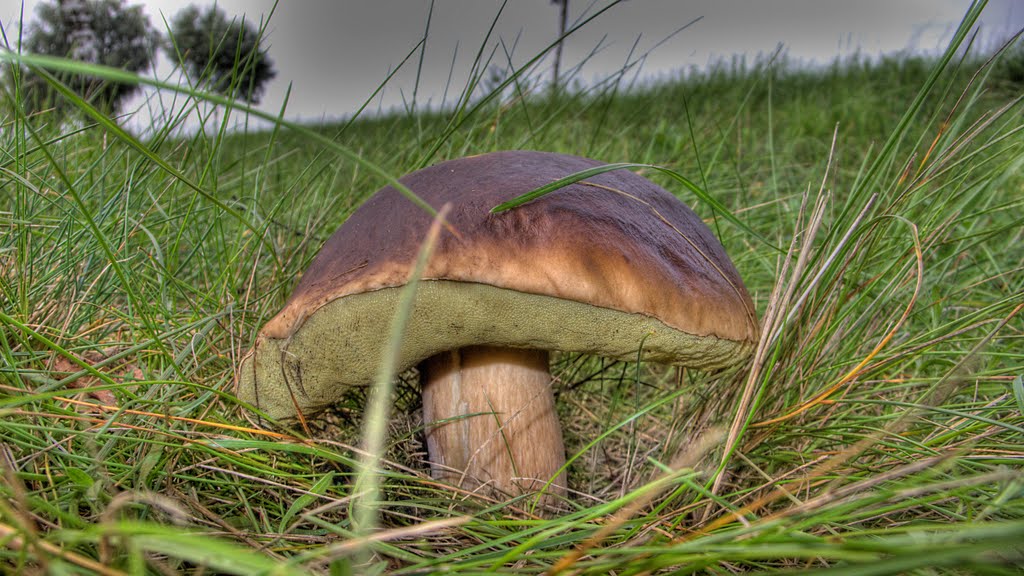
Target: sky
[{"x": 333, "y": 54}]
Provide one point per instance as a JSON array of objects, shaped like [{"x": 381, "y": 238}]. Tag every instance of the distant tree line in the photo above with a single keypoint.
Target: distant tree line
[{"x": 217, "y": 53}]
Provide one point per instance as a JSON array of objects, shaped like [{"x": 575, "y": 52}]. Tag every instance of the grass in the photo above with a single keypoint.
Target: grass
[{"x": 878, "y": 430}]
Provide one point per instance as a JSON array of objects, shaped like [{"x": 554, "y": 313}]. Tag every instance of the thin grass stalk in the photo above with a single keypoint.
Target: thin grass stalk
[
  {"x": 43, "y": 63},
  {"x": 366, "y": 489}
]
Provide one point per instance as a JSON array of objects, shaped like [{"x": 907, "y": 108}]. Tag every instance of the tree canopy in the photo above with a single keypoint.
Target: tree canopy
[
  {"x": 99, "y": 31},
  {"x": 224, "y": 55}
]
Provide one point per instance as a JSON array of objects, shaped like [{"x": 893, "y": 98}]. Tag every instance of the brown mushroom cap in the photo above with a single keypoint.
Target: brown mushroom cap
[{"x": 604, "y": 266}]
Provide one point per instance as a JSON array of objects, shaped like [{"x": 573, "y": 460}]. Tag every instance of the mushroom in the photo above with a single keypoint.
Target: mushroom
[{"x": 607, "y": 266}]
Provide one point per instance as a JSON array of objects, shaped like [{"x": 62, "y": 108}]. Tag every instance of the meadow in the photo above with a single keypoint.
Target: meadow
[{"x": 878, "y": 429}]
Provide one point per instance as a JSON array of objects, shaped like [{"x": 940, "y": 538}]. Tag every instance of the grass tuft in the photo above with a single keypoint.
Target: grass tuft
[{"x": 879, "y": 429}]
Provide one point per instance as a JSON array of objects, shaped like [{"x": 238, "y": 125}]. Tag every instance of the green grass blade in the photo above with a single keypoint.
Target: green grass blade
[
  {"x": 117, "y": 75},
  {"x": 366, "y": 489},
  {"x": 699, "y": 192}
]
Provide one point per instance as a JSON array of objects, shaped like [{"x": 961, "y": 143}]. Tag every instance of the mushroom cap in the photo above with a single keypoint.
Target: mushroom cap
[{"x": 606, "y": 266}]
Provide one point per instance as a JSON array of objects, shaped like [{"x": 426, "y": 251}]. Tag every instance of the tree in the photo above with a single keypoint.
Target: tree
[
  {"x": 223, "y": 54},
  {"x": 96, "y": 31},
  {"x": 84, "y": 45}
]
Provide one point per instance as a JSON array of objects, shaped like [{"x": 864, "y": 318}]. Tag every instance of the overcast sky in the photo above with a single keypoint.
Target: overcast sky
[{"x": 334, "y": 53}]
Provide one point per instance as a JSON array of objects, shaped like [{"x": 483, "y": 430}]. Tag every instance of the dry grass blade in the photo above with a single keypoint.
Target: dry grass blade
[
  {"x": 354, "y": 545},
  {"x": 773, "y": 322},
  {"x": 685, "y": 461},
  {"x": 197, "y": 421},
  {"x": 833, "y": 464},
  {"x": 14, "y": 541},
  {"x": 859, "y": 368}
]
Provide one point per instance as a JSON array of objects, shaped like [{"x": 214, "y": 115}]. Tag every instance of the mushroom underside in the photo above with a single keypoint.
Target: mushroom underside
[{"x": 340, "y": 344}]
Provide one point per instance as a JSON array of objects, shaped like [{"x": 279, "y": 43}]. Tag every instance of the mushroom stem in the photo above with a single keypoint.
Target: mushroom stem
[{"x": 491, "y": 421}]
